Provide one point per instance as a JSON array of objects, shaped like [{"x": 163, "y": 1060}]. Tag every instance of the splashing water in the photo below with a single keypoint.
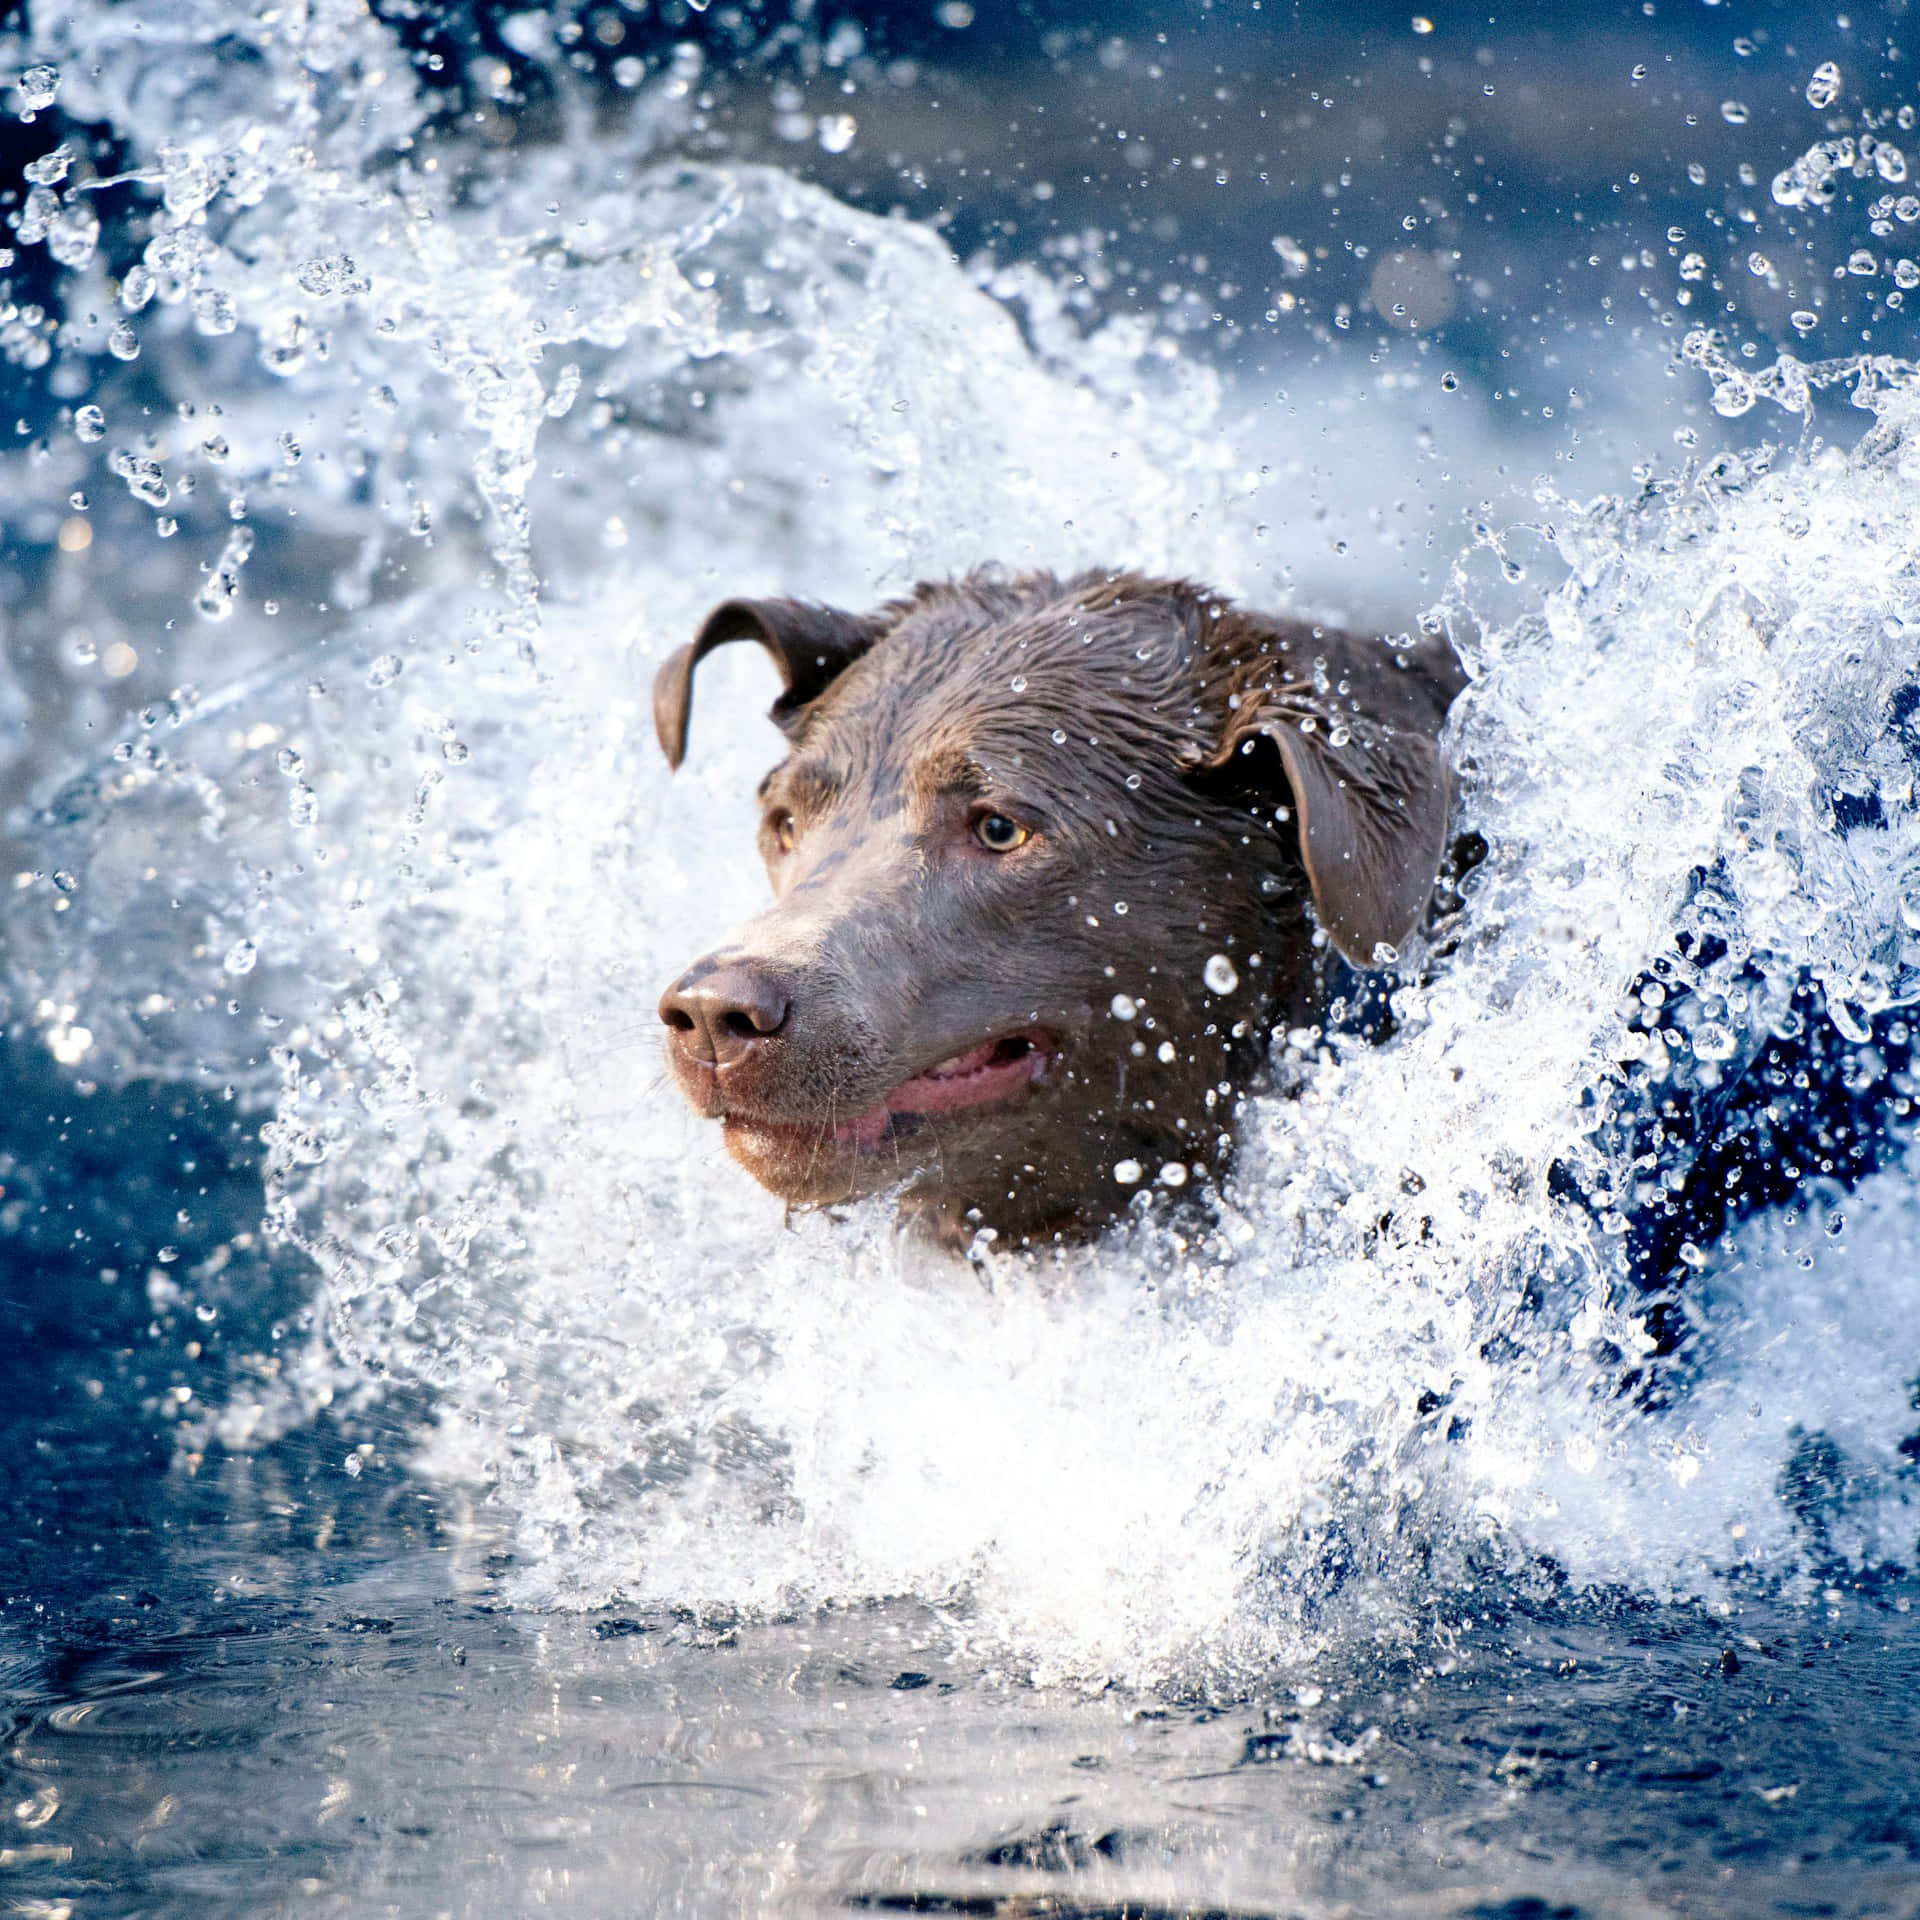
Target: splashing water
[{"x": 414, "y": 894}]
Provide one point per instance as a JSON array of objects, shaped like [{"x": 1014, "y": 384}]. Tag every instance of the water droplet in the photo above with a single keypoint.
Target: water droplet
[
  {"x": 123, "y": 343},
  {"x": 1696, "y": 173},
  {"x": 1862, "y": 263},
  {"x": 1385, "y": 954},
  {"x": 137, "y": 286},
  {"x": 89, "y": 423},
  {"x": 1128, "y": 1172},
  {"x": 289, "y": 761},
  {"x": 242, "y": 957},
  {"x": 146, "y": 479},
  {"x": 331, "y": 274},
  {"x": 1220, "y": 974},
  {"x": 214, "y": 311},
  {"x": 36, "y": 87},
  {"x": 64, "y": 880},
  {"x": 1173, "y": 1174},
  {"x": 1713, "y": 1041},
  {"x": 1803, "y": 321},
  {"x": 51, "y": 168},
  {"x": 1759, "y": 265},
  {"x": 1449, "y": 382},
  {"x": 1120, "y": 906},
  {"x": 1823, "y": 89},
  {"x": 1018, "y": 683},
  {"x": 1164, "y": 1053},
  {"x": 836, "y": 130},
  {"x": 1421, "y": 24},
  {"x": 1735, "y": 112},
  {"x": 1693, "y": 266},
  {"x": 384, "y": 671},
  {"x": 1124, "y": 1006},
  {"x": 455, "y": 752},
  {"x": 1059, "y": 736}
]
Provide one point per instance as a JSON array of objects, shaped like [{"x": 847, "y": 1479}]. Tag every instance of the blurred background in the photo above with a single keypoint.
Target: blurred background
[{"x": 1471, "y": 240}]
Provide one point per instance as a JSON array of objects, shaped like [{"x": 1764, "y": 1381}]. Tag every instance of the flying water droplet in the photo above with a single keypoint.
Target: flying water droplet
[
  {"x": 1124, "y": 1006},
  {"x": 1735, "y": 112},
  {"x": 384, "y": 671},
  {"x": 1823, "y": 89},
  {"x": 1173, "y": 1174},
  {"x": 36, "y": 88},
  {"x": 242, "y": 957},
  {"x": 1220, "y": 974},
  {"x": 1713, "y": 1041},
  {"x": 89, "y": 423},
  {"x": 1128, "y": 1172}
]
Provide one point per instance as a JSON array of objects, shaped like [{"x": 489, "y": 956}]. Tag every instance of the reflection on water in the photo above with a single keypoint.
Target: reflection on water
[{"x": 325, "y": 1705}]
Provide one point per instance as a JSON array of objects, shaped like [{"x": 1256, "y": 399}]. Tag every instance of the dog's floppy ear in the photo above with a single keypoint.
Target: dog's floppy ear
[
  {"x": 1370, "y": 789},
  {"x": 809, "y": 644}
]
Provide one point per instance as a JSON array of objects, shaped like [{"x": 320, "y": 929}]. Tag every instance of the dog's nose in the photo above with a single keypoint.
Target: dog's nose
[{"x": 716, "y": 1016}]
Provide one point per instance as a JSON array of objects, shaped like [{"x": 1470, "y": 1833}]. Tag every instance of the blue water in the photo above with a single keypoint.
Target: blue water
[{"x": 435, "y": 1482}]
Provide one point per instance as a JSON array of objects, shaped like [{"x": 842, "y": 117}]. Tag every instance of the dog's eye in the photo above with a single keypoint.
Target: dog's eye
[
  {"x": 782, "y": 831},
  {"x": 998, "y": 834}
]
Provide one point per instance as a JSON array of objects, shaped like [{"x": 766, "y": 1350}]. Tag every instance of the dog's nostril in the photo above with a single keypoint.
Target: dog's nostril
[{"x": 718, "y": 1013}]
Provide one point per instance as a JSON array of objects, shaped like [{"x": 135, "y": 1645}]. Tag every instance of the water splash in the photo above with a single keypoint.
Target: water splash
[{"x": 415, "y": 892}]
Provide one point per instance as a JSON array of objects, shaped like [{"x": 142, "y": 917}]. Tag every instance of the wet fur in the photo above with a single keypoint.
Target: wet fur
[{"x": 1168, "y": 829}]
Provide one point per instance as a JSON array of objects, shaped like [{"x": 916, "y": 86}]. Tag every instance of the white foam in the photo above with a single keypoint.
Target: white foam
[{"x": 1144, "y": 1455}]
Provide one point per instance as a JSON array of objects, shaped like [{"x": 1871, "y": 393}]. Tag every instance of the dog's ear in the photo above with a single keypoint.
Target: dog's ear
[
  {"x": 809, "y": 644},
  {"x": 1368, "y": 785}
]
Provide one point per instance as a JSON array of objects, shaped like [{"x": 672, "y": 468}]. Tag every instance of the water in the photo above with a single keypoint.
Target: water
[{"x": 441, "y": 1482}]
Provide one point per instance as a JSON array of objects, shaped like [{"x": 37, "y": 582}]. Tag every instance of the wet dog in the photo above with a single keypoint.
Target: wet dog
[{"x": 1051, "y": 860}]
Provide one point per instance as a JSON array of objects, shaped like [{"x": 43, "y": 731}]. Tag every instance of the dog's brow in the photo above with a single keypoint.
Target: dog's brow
[
  {"x": 952, "y": 768},
  {"x": 807, "y": 782}
]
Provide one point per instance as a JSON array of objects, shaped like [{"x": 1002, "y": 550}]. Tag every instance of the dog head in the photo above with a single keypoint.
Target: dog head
[{"x": 1042, "y": 855}]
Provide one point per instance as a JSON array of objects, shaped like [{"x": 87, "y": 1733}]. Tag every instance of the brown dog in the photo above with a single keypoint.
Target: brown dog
[{"x": 1042, "y": 856}]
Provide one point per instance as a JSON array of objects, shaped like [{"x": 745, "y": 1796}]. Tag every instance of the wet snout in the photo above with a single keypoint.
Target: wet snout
[{"x": 720, "y": 1017}]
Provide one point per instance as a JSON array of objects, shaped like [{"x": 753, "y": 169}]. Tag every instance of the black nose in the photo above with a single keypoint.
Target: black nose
[{"x": 717, "y": 1015}]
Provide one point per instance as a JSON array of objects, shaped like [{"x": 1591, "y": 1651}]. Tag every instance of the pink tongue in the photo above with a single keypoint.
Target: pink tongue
[{"x": 965, "y": 1080}]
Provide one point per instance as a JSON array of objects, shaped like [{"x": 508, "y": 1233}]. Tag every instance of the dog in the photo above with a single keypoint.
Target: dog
[{"x": 1051, "y": 860}]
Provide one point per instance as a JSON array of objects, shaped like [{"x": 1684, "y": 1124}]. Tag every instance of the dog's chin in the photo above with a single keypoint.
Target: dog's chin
[{"x": 920, "y": 1125}]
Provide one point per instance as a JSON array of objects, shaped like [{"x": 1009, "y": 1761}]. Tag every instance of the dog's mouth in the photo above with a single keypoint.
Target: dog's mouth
[{"x": 981, "y": 1076}]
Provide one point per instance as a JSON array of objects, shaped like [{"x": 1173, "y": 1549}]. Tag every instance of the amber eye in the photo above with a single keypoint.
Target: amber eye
[
  {"x": 998, "y": 834},
  {"x": 781, "y": 830}
]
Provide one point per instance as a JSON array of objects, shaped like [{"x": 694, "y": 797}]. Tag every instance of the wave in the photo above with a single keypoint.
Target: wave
[{"x": 496, "y": 443}]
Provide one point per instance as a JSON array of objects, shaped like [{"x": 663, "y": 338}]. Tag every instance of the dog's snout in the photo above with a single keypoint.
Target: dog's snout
[{"x": 716, "y": 1016}]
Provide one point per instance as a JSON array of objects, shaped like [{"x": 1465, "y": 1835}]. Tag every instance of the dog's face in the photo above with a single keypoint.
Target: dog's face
[{"x": 1039, "y": 896}]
